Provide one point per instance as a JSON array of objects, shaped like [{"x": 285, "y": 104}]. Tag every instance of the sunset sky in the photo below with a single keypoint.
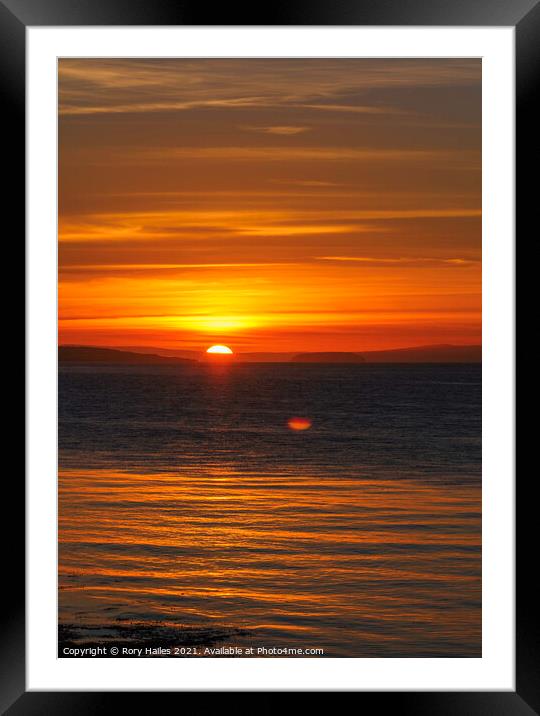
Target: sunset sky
[{"x": 270, "y": 204}]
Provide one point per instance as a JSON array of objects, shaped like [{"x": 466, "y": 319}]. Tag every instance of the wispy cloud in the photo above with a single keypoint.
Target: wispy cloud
[
  {"x": 200, "y": 224},
  {"x": 279, "y": 130},
  {"x": 307, "y": 154},
  {"x": 167, "y": 267},
  {"x": 120, "y": 86},
  {"x": 402, "y": 261}
]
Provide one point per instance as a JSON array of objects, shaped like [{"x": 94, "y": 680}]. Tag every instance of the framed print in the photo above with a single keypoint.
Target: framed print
[{"x": 270, "y": 363}]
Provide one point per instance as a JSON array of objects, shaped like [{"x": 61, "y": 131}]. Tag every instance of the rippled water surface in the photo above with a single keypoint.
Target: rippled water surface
[{"x": 187, "y": 504}]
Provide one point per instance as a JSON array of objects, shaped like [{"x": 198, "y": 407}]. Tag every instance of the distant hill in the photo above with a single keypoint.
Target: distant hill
[
  {"x": 328, "y": 357},
  {"x": 417, "y": 354},
  {"x": 258, "y": 357},
  {"x": 87, "y": 354},
  {"x": 264, "y": 357},
  {"x": 427, "y": 354},
  {"x": 148, "y": 356},
  {"x": 166, "y": 352}
]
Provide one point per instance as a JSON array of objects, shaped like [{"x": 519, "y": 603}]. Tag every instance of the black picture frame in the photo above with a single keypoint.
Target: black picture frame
[{"x": 15, "y": 17}]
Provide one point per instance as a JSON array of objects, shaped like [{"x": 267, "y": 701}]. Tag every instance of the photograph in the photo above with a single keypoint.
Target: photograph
[{"x": 269, "y": 357}]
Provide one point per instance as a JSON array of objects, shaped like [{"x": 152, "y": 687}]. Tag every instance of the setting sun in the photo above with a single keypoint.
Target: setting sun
[{"x": 223, "y": 350}]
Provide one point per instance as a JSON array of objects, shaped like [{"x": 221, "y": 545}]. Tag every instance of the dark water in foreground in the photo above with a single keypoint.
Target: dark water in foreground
[{"x": 190, "y": 513}]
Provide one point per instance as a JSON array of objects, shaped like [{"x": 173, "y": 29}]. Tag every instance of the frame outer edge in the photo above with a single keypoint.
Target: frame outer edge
[
  {"x": 527, "y": 123},
  {"x": 12, "y": 57},
  {"x": 12, "y": 618},
  {"x": 292, "y": 12},
  {"x": 269, "y": 704}
]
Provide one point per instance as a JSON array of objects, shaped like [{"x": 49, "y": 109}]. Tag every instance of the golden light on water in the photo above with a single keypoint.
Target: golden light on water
[
  {"x": 297, "y": 423},
  {"x": 343, "y": 566},
  {"x": 222, "y": 350}
]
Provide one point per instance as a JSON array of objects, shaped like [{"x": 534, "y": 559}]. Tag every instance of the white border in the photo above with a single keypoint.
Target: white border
[{"x": 495, "y": 670}]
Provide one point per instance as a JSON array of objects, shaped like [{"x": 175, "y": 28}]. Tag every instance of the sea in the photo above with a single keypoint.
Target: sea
[{"x": 192, "y": 518}]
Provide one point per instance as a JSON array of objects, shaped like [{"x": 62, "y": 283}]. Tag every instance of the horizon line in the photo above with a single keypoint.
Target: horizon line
[{"x": 297, "y": 351}]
